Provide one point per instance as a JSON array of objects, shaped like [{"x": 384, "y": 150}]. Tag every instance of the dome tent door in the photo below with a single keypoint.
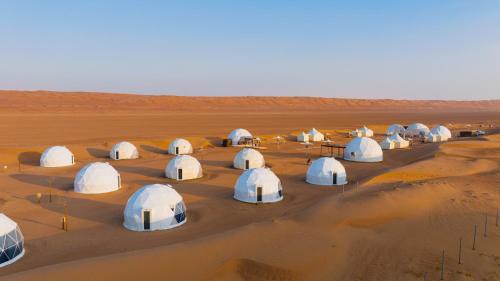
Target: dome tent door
[
  {"x": 117, "y": 155},
  {"x": 334, "y": 176},
  {"x": 146, "y": 219},
  {"x": 177, "y": 150},
  {"x": 179, "y": 174},
  {"x": 259, "y": 194},
  {"x": 247, "y": 164}
]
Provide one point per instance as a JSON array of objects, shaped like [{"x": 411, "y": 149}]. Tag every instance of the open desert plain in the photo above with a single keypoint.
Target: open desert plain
[{"x": 391, "y": 221}]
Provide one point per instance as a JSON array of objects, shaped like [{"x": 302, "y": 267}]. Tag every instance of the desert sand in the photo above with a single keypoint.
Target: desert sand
[{"x": 391, "y": 222}]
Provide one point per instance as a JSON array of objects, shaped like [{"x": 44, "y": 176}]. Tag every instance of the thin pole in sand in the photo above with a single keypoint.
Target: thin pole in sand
[
  {"x": 460, "y": 251},
  {"x": 496, "y": 220},
  {"x": 474, "y": 241},
  {"x": 485, "y": 225},
  {"x": 442, "y": 266},
  {"x": 425, "y": 276}
]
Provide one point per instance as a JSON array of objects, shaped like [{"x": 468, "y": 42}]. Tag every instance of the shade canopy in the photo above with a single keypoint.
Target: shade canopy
[
  {"x": 124, "y": 150},
  {"x": 258, "y": 185},
  {"x": 326, "y": 171},
  {"x": 183, "y": 167},
  {"x": 248, "y": 158},
  {"x": 363, "y": 149},
  {"x": 57, "y": 156},
  {"x": 154, "y": 207},
  {"x": 180, "y": 146},
  {"x": 97, "y": 178}
]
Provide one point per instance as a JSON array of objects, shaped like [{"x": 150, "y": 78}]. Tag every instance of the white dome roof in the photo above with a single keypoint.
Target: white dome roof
[
  {"x": 180, "y": 146},
  {"x": 363, "y": 149},
  {"x": 251, "y": 181},
  {"x": 183, "y": 167},
  {"x": 417, "y": 129},
  {"x": 12, "y": 241},
  {"x": 395, "y": 129},
  {"x": 254, "y": 157},
  {"x": 441, "y": 131},
  {"x": 166, "y": 208},
  {"x": 57, "y": 156},
  {"x": 96, "y": 178},
  {"x": 237, "y": 134},
  {"x": 124, "y": 150},
  {"x": 322, "y": 171}
]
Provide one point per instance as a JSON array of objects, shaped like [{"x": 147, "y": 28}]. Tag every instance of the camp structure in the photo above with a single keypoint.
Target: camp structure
[
  {"x": 362, "y": 132},
  {"x": 183, "y": 167},
  {"x": 180, "y": 146},
  {"x": 395, "y": 129},
  {"x": 97, "y": 177},
  {"x": 399, "y": 142},
  {"x": 303, "y": 137},
  {"x": 248, "y": 158},
  {"x": 363, "y": 149},
  {"x": 441, "y": 133},
  {"x": 258, "y": 185},
  {"x": 326, "y": 171},
  {"x": 417, "y": 130},
  {"x": 57, "y": 156},
  {"x": 124, "y": 150},
  {"x": 239, "y": 135},
  {"x": 154, "y": 207},
  {"x": 12, "y": 241},
  {"x": 315, "y": 135},
  {"x": 387, "y": 143}
]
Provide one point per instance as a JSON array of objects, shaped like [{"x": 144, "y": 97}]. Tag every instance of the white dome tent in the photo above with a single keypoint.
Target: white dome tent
[
  {"x": 180, "y": 146},
  {"x": 303, "y": 137},
  {"x": 97, "y": 178},
  {"x": 258, "y": 185},
  {"x": 12, "y": 241},
  {"x": 399, "y": 142},
  {"x": 362, "y": 132},
  {"x": 441, "y": 131},
  {"x": 387, "y": 143},
  {"x": 57, "y": 156},
  {"x": 395, "y": 129},
  {"x": 315, "y": 135},
  {"x": 183, "y": 167},
  {"x": 238, "y": 134},
  {"x": 124, "y": 150},
  {"x": 248, "y": 158},
  {"x": 363, "y": 149},
  {"x": 154, "y": 207},
  {"x": 326, "y": 171},
  {"x": 417, "y": 129}
]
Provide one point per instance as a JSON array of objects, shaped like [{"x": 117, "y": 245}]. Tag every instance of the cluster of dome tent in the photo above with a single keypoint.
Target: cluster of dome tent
[{"x": 160, "y": 206}]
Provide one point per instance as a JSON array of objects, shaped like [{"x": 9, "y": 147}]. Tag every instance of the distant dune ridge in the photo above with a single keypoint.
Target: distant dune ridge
[{"x": 48, "y": 101}]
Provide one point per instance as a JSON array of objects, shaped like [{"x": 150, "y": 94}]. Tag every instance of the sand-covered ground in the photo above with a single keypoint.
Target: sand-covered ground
[{"x": 392, "y": 221}]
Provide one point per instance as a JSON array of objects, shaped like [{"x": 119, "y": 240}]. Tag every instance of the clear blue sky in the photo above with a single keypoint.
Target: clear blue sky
[{"x": 418, "y": 49}]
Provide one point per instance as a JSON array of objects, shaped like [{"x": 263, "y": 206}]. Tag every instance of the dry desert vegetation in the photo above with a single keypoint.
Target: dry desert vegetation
[{"x": 392, "y": 220}]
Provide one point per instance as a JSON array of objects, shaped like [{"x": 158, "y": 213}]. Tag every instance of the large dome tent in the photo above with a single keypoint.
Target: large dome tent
[
  {"x": 124, "y": 150},
  {"x": 154, "y": 207},
  {"x": 97, "y": 178},
  {"x": 417, "y": 129},
  {"x": 248, "y": 158},
  {"x": 183, "y": 167},
  {"x": 442, "y": 131},
  {"x": 180, "y": 146},
  {"x": 258, "y": 185},
  {"x": 238, "y": 134},
  {"x": 57, "y": 156},
  {"x": 395, "y": 129},
  {"x": 363, "y": 149},
  {"x": 12, "y": 241},
  {"x": 326, "y": 171}
]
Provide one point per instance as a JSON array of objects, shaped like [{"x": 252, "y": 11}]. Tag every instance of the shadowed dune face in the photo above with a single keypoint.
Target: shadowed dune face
[{"x": 391, "y": 222}]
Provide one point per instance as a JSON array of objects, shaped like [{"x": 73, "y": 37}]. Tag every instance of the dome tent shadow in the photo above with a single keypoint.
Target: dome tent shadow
[
  {"x": 31, "y": 158},
  {"x": 98, "y": 152},
  {"x": 57, "y": 182}
]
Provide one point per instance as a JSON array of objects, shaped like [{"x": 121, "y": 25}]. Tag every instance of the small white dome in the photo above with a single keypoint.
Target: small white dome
[
  {"x": 57, "y": 156},
  {"x": 180, "y": 146},
  {"x": 395, "y": 129},
  {"x": 417, "y": 129},
  {"x": 124, "y": 150},
  {"x": 326, "y": 171},
  {"x": 365, "y": 131},
  {"x": 12, "y": 241},
  {"x": 363, "y": 149},
  {"x": 154, "y": 207},
  {"x": 316, "y": 135},
  {"x": 248, "y": 158},
  {"x": 258, "y": 185},
  {"x": 183, "y": 167},
  {"x": 97, "y": 178},
  {"x": 441, "y": 131},
  {"x": 238, "y": 134},
  {"x": 303, "y": 137}
]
